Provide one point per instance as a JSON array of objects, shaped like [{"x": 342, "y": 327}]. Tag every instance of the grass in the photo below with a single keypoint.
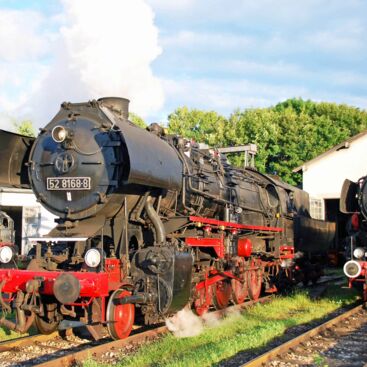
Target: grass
[
  {"x": 333, "y": 271},
  {"x": 248, "y": 331},
  {"x": 320, "y": 361},
  {"x": 6, "y": 334}
]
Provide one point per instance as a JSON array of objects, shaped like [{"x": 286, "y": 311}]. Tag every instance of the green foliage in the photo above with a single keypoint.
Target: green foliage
[
  {"x": 288, "y": 134},
  {"x": 201, "y": 126},
  {"x": 320, "y": 360},
  {"x": 24, "y": 128},
  {"x": 137, "y": 120}
]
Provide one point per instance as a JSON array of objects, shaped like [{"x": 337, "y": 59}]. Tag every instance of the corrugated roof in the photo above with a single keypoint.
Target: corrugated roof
[{"x": 344, "y": 144}]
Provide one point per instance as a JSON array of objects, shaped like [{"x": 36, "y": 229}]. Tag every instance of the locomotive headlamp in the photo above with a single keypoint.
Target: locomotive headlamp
[
  {"x": 359, "y": 252},
  {"x": 59, "y": 134},
  {"x": 92, "y": 258},
  {"x": 6, "y": 254},
  {"x": 352, "y": 269}
]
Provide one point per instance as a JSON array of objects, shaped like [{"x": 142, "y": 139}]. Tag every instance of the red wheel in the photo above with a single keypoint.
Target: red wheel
[
  {"x": 254, "y": 280},
  {"x": 120, "y": 318},
  {"x": 240, "y": 290},
  {"x": 222, "y": 292},
  {"x": 201, "y": 305}
]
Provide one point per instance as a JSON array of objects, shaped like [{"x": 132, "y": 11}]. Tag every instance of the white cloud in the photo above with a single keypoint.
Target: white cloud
[
  {"x": 21, "y": 53},
  {"x": 345, "y": 37},
  {"x": 94, "y": 51},
  {"x": 112, "y": 51},
  {"x": 169, "y": 5},
  {"x": 226, "y": 95},
  {"x": 6, "y": 123},
  {"x": 20, "y": 37},
  {"x": 187, "y": 38}
]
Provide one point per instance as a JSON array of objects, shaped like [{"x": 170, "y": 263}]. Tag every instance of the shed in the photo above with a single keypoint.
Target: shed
[
  {"x": 30, "y": 217},
  {"x": 324, "y": 175}
]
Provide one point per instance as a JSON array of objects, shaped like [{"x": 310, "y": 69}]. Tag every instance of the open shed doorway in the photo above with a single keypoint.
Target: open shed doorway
[
  {"x": 15, "y": 213},
  {"x": 333, "y": 214}
]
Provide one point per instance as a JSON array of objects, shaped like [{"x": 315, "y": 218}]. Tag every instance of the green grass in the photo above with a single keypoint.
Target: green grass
[
  {"x": 334, "y": 271},
  {"x": 320, "y": 361},
  {"x": 6, "y": 334},
  {"x": 248, "y": 331}
]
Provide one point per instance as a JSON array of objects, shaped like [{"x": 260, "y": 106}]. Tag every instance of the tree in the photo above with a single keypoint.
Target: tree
[
  {"x": 201, "y": 126},
  {"x": 287, "y": 134},
  {"x": 24, "y": 128},
  {"x": 137, "y": 120}
]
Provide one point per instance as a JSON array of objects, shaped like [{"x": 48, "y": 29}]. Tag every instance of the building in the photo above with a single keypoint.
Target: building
[
  {"x": 324, "y": 175},
  {"x": 30, "y": 218}
]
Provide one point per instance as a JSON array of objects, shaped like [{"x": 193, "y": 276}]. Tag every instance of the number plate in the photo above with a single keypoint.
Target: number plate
[{"x": 68, "y": 183}]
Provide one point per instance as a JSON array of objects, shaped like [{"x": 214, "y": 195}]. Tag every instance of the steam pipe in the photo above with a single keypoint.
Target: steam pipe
[{"x": 156, "y": 220}]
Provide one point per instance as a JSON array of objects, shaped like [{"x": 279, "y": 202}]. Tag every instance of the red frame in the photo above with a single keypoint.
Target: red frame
[
  {"x": 248, "y": 227},
  {"x": 216, "y": 242},
  {"x": 286, "y": 252},
  {"x": 92, "y": 285}
]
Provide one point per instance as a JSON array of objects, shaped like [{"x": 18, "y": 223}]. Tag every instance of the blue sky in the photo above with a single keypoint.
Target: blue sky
[{"x": 209, "y": 54}]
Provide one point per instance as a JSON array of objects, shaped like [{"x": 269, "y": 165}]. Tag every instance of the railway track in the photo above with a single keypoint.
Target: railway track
[
  {"x": 337, "y": 342},
  {"x": 52, "y": 350}
]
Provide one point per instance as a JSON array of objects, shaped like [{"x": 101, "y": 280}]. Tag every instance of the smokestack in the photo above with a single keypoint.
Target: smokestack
[{"x": 117, "y": 105}]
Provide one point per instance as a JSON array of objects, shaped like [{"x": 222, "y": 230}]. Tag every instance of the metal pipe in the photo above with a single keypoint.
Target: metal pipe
[
  {"x": 138, "y": 298},
  {"x": 23, "y": 323},
  {"x": 156, "y": 220},
  {"x": 20, "y": 313}
]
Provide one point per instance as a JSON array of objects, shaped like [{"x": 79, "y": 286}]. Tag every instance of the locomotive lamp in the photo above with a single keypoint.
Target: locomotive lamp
[
  {"x": 6, "y": 254},
  {"x": 359, "y": 252},
  {"x": 352, "y": 269},
  {"x": 92, "y": 258},
  {"x": 60, "y": 134}
]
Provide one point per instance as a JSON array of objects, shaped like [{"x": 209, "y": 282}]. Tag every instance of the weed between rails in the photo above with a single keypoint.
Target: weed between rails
[{"x": 248, "y": 332}]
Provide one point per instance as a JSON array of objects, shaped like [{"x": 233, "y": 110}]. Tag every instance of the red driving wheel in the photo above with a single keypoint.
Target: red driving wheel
[
  {"x": 222, "y": 292},
  {"x": 120, "y": 318},
  {"x": 254, "y": 280},
  {"x": 201, "y": 305},
  {"x": 240, "y": 289}
]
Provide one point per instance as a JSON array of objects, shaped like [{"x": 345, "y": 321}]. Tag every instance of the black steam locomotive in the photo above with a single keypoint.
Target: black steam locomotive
[
  {"x": 147, "y": 224},
  {"x": 353, "y": 201}
]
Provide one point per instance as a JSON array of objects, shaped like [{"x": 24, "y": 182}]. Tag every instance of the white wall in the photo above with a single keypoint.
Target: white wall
[
  {"x": 324, "y": 177},
  {"x": 36, "y": 220}
]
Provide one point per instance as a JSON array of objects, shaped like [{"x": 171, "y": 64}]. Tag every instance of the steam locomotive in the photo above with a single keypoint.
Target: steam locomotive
[
  {"x": 148, "y": 223},
  {"x": 353, "y": 201}
]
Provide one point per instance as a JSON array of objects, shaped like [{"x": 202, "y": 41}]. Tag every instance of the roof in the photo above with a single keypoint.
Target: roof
[
  {"x": 344, "y": 145},
  {"x": 15, "y": 190}
]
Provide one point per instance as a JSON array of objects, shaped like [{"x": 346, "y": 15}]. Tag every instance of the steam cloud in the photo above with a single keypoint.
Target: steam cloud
[
  {"x": 98, "y": 49},
  {"x": 186, "y": 324}
]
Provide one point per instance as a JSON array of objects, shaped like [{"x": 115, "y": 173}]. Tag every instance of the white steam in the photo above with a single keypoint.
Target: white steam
[
  {"x": 96, "y": 49},
  {"x": 211, "y": 319},
  {"x": 186, "y": 324}
]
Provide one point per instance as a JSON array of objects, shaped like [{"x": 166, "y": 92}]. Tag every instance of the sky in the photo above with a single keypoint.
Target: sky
[{"x": 161, "y": 54}]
